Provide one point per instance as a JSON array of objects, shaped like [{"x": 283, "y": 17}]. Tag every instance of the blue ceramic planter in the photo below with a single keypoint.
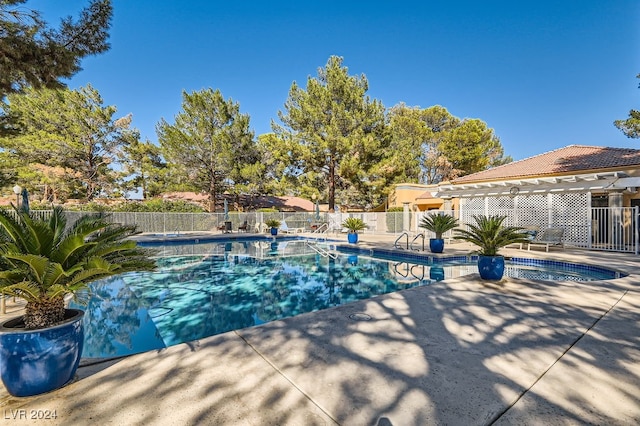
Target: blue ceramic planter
[
  {"x": 274, "y": 231},
  {"x": 352, "y": 237},
  {"x": 436, "y": 273},
  {"x": 491, "y": 267},
  {"x": 436, "y": 245},
  {"x": 38, "y": 361}
]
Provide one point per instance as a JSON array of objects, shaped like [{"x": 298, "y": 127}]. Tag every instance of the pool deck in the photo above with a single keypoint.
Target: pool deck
[{"x": 457, "y": 352}]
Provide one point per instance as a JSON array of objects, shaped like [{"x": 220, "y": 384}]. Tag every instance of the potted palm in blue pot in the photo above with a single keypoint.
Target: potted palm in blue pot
[
  {"x": 43, "y": 262},
  {"x": 438, "y": 224},
  {"x": 353, "y": 225},
  {"x": 489, "y": 234},
  {"x": 274, "y": 224}
]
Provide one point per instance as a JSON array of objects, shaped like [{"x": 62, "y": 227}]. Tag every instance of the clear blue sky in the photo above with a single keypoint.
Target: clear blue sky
[{"x": 543, "y": 74}]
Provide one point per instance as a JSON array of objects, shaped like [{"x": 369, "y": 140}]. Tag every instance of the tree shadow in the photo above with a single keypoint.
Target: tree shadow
[
  {"x": 456, "y": 352},
  {"x": 460, "y": 353}
]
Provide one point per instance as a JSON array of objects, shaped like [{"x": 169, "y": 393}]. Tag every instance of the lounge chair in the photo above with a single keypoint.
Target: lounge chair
[
  {"x": 285, "y": 229},
  {"x": 548, "y": 237},
  {"x": 225, "y": 227},
  {"x": 530, "y": 232}
]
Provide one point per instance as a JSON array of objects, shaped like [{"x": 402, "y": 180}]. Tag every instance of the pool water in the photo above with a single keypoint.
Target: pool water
[{"x": 233, "y": 285}]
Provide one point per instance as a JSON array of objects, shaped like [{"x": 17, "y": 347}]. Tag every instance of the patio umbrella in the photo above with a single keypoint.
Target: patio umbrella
[
  {"x": 25, "y": 200},
  {"x": 226, "y": 209},
  {"x": 317, "y": 211}
]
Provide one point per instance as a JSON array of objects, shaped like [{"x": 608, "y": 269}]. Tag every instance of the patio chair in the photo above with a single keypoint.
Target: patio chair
[
  {"x": 225, "y": 227},
  {"x": 548, "y": 237},
  {"x": 261, "y": 228},
  {"x": 285, "y": 229},
  {"x": 531, "y": 232},
  {"x": 244, "y": 227}
]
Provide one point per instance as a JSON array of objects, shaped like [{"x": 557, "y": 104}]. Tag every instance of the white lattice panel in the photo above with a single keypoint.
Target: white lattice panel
[
  {"x": 472, "y": 203},
  {"x": 532, "y": 211},
  {"x": 470, "y": 207},
  {"x": 565, "y": 210},
  {"x": 501, "y": 203},
  {"x": 502, "y": 206},
  {"x": 571, "y": 212}
]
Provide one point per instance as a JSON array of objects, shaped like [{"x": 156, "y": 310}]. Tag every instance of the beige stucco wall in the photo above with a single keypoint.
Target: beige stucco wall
[{"x": 409, "y": 193}]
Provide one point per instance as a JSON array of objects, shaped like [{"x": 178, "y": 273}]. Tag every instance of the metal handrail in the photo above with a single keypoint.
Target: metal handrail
[
  {"x": 324, "y": 228},
  {"x": 404, "y": 234},
  {"x": 421, "y": 235},
  {"x": 322, "y": 252},
  {"x": 395, "y": 268},
  {"x": 409, "y": 270},
  {"x": 414, "y": 275}
]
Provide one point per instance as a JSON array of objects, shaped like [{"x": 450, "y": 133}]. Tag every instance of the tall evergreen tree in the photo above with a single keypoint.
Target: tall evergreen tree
[
  {"x": 210, "y": 142},
  {"x": 335, "y": 130},
  {"x": 32, "y": 54},
  {"x": 471, "y": 147},
  {"x": 69, "y": 138},
  {"x": 443, "y": 146},
  {"x": 630, "y": 126},
  {"x": 143, "y": 167}
]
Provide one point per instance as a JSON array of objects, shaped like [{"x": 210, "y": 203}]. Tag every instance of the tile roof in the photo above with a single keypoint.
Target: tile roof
[
  {"x": 425, "y": 195},
  {"x": 283, "y": 203},
  {"x": 571, "y": 159}
]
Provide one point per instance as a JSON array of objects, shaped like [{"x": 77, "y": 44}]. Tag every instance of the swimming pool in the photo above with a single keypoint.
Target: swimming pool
[{"x": 205, "y": 289}]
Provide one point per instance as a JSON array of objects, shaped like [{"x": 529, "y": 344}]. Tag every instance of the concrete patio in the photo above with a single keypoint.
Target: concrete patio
[{"x": 459, "y": 352}]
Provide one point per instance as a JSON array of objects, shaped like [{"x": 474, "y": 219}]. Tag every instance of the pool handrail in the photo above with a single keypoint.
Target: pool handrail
[
  {"x": 404, "y": 234},
  {"x": 324, "y": 228},
  {"x": 322, "y": 252},
  {"x": 420, "y": 235}
]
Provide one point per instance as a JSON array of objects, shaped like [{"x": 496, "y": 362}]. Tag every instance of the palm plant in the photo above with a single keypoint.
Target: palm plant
[
  {"x": 272, "y": 223},
  {"x": 490, "y": 235},
  {"x": 42, "y": 261},
  {"x": 354, "y": 224},
  {"x": 438, "y": 223}
]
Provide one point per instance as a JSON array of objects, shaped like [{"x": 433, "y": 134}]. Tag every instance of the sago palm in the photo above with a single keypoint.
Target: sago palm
[
  {"x": 490, "y": 235},
  {"x": 438, "y": 223},
  {"x": 354, "y": 224},
  {"x": 42, "y": 261}
]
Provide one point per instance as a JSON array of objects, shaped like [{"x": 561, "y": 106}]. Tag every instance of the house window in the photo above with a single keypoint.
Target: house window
[{"x": 599, "y": 201}]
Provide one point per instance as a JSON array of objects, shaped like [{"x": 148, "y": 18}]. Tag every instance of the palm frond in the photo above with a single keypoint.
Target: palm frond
[
  {"x": 43, "y": 260},
  {"x": 36, "y": 265},
  {"x": 489, "y": 234},
  {"x": 438, "y": 223},
  {"x": 354, "y": 224},
  {"x": 24, "y": 290},
  {"x": 57, "y": 223},
  {"x": 11, "y": 229}
]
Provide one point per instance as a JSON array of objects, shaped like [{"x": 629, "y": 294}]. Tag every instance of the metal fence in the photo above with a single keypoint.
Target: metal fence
[{"x": 596, "y": 228}]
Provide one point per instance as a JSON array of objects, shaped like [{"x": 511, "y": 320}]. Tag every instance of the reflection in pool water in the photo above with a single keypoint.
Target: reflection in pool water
[
  {"x": 241, "y": 284},
  {"x": 198, "y": 296}
]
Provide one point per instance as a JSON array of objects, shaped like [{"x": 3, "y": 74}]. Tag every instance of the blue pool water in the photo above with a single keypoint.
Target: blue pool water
[{"x": 205, "y": 289}]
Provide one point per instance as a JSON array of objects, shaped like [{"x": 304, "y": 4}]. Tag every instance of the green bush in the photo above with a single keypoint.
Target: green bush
[
  {"x": 153, "y": 205},
  {"x": 86, "y": 207},
  {"x": 159, "y": 205},
  {"x": 272, "y": 223}
]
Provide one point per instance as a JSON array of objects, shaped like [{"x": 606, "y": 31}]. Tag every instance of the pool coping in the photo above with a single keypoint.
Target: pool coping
[
  {"x": 314, "y": 369},
  {"x": 391, "y": 253}
]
